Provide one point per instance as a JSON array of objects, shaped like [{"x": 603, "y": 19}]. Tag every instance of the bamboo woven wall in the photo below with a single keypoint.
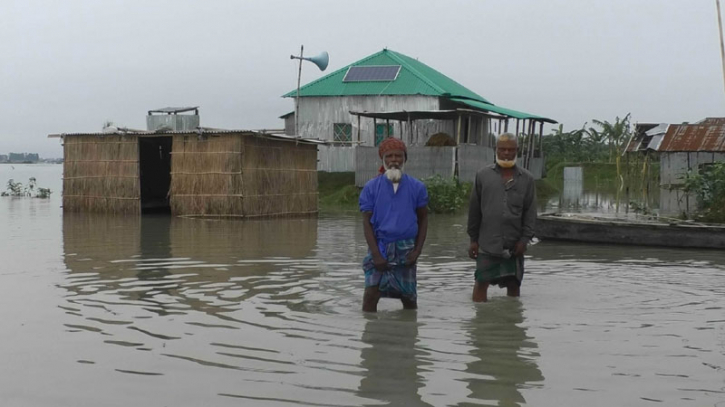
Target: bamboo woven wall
[
  {"x": 242, "y": 175},
  {"x": 100, "y": 174}
]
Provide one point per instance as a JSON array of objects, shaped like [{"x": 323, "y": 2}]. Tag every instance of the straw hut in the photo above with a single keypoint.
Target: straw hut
[{"x": 201, "y": 172}]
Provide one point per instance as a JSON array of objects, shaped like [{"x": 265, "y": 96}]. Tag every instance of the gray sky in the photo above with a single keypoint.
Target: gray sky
[{"x": 67, "y": 66}]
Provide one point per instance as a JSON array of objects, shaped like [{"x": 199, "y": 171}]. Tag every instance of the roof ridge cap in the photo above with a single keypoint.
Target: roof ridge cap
[{"x": 396, "y": 56}]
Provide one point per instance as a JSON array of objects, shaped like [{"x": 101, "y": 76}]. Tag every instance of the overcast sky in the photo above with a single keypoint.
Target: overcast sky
[{"x": 68, "y": 66}]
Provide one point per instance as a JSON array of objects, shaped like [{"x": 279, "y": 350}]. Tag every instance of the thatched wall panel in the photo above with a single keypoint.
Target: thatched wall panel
[
  {"x": 100, "y": 174},
  {"x": 241, "y": 175},
  {"x": 74, "y": 169},
  {"x": 101, "y": 205},
  {"x": 206, "y": 205}
]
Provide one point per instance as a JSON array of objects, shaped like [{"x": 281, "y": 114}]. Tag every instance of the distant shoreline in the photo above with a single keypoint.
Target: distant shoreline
[{"x": 33, "y": 162}]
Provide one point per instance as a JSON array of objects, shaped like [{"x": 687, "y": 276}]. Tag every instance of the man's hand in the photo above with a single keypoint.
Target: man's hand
[
  {"x": 381, "y": 264},
  {"x": 473, "y": 250},
  {"x": 519, "y": 249},
  {"x": 412, "y": 257}
]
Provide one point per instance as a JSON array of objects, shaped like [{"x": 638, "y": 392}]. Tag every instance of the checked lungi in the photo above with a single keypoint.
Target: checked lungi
[
  {"x": 497, "y": 270},
  {"x": 399, "y": 281}
]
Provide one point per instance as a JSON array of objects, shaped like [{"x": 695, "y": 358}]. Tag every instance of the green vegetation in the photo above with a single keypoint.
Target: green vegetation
[
  {"x": 600, "y": 151},
  {"x": 709, "y": 187},
  {"x": 31, "y": 190},
  {"x": 337, "y": 191},
  {"x": 603, "y": 143},
  {"x": 446, "y": 195}
]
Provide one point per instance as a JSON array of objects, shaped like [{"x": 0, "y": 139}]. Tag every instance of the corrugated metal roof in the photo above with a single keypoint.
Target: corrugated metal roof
[
  {"x": 205, "y": 131},
  {"x": 415, "y": 78},
  {"x": 694, "y": 137},
  {"x": 502, "y": 110},
  {"x": 712, "y": 120}
]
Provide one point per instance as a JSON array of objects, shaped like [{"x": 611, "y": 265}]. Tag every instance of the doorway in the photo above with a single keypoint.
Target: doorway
[{"x": 155, "y": 168}]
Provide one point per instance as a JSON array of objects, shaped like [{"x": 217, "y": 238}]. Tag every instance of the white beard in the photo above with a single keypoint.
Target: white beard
[
  {"x": 393, "y": 174},
  {"x": 505, "y": 163}
]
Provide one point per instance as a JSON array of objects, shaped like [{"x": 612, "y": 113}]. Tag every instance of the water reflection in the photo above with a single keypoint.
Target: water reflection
[
  {"x": 504, "y": 354},
  {"x": 133, "y": 266},
  {"x": 575, "y": 196},
  {"x": 392, "y": 360}
]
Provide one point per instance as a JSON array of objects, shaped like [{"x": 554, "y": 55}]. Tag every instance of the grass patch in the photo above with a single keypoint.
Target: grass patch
[{"x": 337, "y": 190}]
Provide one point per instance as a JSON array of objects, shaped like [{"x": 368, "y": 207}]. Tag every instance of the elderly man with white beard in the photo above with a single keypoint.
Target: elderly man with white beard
[
  {"x": 394, "y": 206},
  {"x": 501, "y": 217}
]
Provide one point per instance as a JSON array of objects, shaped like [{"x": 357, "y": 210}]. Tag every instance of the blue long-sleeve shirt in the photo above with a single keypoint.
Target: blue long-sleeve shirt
[{"x": 394, "y": 215}]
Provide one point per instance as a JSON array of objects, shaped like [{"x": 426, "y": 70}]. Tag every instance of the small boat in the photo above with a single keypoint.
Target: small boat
[{"x": 630, "y": 230}]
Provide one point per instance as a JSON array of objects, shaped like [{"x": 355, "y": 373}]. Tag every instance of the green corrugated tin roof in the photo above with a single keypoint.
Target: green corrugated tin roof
[
  {"x": 501, "y": 110},
  {"x": 415, "y": 78}
]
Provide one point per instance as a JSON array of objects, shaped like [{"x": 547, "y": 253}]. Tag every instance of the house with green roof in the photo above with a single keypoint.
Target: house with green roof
[{"x": 391, "y": 94}]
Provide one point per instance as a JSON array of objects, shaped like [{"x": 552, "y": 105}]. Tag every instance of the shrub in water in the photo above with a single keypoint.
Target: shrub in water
[{"x": 446, "y": 195}]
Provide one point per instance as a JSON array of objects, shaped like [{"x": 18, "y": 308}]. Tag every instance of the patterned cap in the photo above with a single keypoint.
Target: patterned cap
[{"x": 391, "y": 144}]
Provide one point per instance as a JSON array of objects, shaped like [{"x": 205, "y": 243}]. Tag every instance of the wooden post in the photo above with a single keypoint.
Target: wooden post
[
  {"x": 541, "y": 139},
  {"x": 387, "y": 128},
  {"x": 297, "y": 99},
  {"x": 506, "y": 126},
  {"x": 521, "y": 141},
  {"x": 358, "y": 129},
  {"x": 375, "y": 130},
  {"x": 531, "y": 142},
  {"x": 458, "y": 130},
  {"x": 468, "y": 131}
]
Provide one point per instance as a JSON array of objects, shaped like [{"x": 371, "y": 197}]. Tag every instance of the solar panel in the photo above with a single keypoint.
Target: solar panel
[{"x": 377, "y": 73}]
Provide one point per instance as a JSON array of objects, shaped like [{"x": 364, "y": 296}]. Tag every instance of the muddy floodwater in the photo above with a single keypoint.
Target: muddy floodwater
[{"x": 161, "y": 311}]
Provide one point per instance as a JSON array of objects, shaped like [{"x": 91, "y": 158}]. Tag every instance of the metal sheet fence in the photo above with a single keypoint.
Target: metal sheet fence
[
  {"x": 673, "y": 167},
  {"x": 423, "y": 162},
  {"x": 336, "y": 158},
  {"x": 471, "y": 159}
]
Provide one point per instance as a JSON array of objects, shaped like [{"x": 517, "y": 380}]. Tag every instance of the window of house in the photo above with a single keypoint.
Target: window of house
[
  {"x": 381, "y": 134},
  {"x": 342, "y": 132}
]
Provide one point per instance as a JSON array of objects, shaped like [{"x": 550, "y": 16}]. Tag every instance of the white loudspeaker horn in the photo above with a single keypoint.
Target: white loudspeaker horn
[{"x": 320, "y": 60}]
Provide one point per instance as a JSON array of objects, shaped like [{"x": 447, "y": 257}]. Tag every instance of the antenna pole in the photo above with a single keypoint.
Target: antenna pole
[{"x": 722, "y": 47}]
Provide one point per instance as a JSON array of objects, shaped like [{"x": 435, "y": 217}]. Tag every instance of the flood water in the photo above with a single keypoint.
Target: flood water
[{"x": 122, "y": 311}]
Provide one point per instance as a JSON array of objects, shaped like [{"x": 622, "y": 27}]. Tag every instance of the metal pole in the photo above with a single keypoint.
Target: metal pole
[
  {"x": 722, "y": 47},
  {"x": 297, "y": 99}
]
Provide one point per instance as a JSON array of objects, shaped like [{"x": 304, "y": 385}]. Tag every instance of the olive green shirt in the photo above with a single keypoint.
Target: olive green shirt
[{"x": 499, "y": 215}]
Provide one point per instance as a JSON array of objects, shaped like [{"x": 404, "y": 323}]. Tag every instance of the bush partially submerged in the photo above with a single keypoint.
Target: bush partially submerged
[
  {"x": 31, "y": 190},
  {"x": 446, "y": 195},
  {"x": 709, "y": 187}
]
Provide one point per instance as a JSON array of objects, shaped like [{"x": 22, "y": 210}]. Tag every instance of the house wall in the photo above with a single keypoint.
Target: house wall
[
  {"x": 673, "y": 167},
  {"x": 319, "y": 114},
  {"x": 101, "y": 174},
  {"x": 289, "y": 125}
]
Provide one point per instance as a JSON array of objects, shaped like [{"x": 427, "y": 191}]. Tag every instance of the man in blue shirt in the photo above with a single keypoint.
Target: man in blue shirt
[{"x": 394, "y": 206}]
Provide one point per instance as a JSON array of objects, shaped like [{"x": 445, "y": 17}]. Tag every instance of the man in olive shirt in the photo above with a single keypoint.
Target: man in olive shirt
[{"x": 501, "y": 217}]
